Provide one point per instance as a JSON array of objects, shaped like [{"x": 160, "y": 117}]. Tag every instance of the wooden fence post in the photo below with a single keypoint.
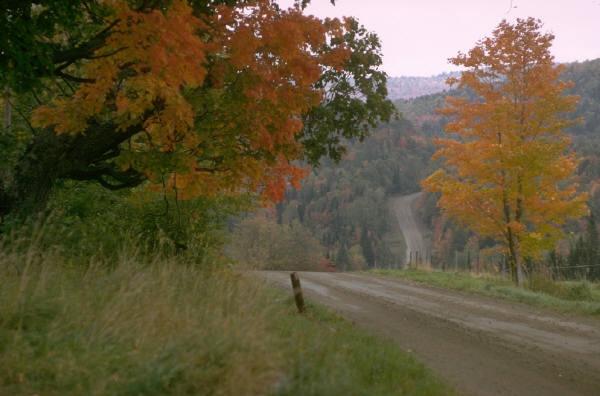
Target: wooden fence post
[{"x": 297, "y": 292}]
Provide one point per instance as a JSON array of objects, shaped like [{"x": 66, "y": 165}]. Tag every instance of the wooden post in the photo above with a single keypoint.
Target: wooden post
[{"x": 297, "y": 292}]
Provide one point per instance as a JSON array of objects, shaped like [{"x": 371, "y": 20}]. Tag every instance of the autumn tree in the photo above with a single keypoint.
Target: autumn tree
[
  {"x": 192, "y": 97},
  {"x": 507, "y": 164}
]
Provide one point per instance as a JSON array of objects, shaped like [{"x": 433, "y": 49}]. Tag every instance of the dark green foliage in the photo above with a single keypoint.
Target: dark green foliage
[
  {"x": 586, "y": 76},
  {"x": 84, "y": 220},
  {"x": 583, "y": 259},
  {"x": 14, "y": 139},
  {"x": 342, "y": 258},
  {"x": 26, "y": 57},
  {"x": 422, "y": 112},
  {"x": 356, "y": 100},
  {"x": 586, "y": 134},
  {"x": 593, "y": 248}
]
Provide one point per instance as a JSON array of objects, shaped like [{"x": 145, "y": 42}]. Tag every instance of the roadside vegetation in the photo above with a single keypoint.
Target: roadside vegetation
[
  {"x": 580, "y": 297},
  {"x": 139, "y": 325}
]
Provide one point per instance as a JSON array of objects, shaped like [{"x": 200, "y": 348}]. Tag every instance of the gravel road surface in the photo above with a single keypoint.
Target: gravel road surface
[
  {"x": 480, "y": 345},
  {"x": 402, "y": 207}
]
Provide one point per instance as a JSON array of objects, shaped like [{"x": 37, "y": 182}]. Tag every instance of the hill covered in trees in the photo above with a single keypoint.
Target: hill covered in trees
[
  {"x": 408, "y": 87},
  {"x": 345, "y": 205}
]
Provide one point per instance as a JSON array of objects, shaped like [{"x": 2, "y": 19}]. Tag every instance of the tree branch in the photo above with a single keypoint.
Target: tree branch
[
  {"x": 69, "y": 77},
  {"x": 125, "y": 179},
  {"x": 85, "y": 50}
]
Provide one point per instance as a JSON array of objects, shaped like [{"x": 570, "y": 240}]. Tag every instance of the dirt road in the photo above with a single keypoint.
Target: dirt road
[
  {"x": 402, "y": 208},
  {"x": 480, "y": 345}
]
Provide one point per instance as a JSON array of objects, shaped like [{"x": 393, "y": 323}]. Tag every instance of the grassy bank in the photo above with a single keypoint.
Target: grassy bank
[
  {"x": 578, "y": 297},
  {"x": 157, "y": 327}
]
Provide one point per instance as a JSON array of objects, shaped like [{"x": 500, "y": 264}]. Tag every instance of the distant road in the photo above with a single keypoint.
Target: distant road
[
  {"x": 480, "y": 345},
  {"x": 402, "y": 206}
]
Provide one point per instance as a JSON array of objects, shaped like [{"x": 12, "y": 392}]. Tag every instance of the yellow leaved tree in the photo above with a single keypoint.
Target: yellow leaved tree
[{"x": 506, "y": 164}]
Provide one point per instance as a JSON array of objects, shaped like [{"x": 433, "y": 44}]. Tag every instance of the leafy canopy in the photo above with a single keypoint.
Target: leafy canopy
[{"x": 200, "y": 98}]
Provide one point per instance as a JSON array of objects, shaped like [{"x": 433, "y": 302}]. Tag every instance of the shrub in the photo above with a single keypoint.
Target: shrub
[
  {"x": 259, "y": 242},
  {"x": 580, "y": 291}
]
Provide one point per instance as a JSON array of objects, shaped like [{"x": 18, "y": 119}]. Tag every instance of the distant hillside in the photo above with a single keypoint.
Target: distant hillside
[
  {"x": 412, "y": 87},
  {"x": 345, "y": 205}
]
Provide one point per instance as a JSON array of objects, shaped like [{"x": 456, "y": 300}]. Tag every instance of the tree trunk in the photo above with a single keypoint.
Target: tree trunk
[
  {"x": 512, "y": 255},
  {"x": 515, "y": 260},
  {"x": 513, "y": 268},
  {"x": 520, "y": 278},
  {"x": 518, "y": 218},
  {"x": 520, "y": 274},
  {"x": 7, "y": 126},
  {"x": 519, "y": 264},
  {"x": 50, "y": 157}
]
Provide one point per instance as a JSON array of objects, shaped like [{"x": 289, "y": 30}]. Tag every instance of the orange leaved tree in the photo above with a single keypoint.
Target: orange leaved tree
[
  {"x": 200, "y": 98},
  {"x": 507, "y": 165}
]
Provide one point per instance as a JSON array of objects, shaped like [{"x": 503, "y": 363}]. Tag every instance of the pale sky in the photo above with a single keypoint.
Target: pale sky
[{"x": 418, "y": 36}]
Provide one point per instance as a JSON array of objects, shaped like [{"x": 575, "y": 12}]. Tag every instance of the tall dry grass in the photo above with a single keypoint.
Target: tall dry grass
[
  {"x": 137, "y": 326},
  {"x": 140, "y": 325}
]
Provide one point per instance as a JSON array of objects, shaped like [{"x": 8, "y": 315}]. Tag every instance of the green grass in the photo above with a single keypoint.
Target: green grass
[
  {"x": 572, "y": 297},
  {"x": 329, "y": 356},
  {"x": 158, "y": 327}
]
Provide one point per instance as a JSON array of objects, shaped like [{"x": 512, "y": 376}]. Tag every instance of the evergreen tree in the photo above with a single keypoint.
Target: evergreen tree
[
  {"x": 301, "y": 210},
  {"x": 343, "y": 258},
  {"x": 279, "y": 209},
  {"x": 593, "y": 249},
  {"x": 576, "y": 259},
  {"x": 584, "y": 256},
  {"x": 367, "y": 247}
]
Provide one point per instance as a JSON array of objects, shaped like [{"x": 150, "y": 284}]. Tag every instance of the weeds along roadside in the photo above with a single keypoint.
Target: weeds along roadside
[
  {"x": 157, "y": 325},
  {"x": 134, "y": 327}
]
